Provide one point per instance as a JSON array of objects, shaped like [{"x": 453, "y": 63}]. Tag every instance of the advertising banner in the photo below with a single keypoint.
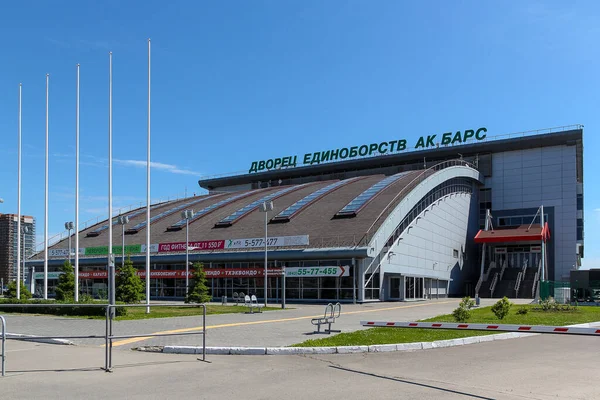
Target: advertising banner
[
  {"x": 178, "y": 274},
  {"x": 103, "y": 250},
  {"x": 299, "y": 272},
  {"x": 278, "y": 241},
  {"x": 64, "y": 252},
  {"x": 201, "y": 245}
]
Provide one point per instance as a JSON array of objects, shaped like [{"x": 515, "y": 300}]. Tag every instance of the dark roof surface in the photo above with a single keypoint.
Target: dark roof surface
[{"x": 316, "y": 220}]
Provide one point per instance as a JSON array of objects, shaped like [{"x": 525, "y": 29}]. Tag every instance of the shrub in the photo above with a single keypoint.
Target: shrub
[
  {"x": 129, "y": 286},
  {"x": 198, "y": 291},
  {"x": 11, "y": 291},
  {"x": 522, "y": 310},
  {"x": 501, "y": 308},
  {"x": 49, "y": 309},
  {"x": 463, "y": 312},
  {"x": 65, "y": 290}
]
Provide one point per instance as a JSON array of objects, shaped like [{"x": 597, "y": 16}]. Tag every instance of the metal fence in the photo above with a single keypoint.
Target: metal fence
[
  {"x": 559, "y": 291},
  {"x": 108, "y": 335}
]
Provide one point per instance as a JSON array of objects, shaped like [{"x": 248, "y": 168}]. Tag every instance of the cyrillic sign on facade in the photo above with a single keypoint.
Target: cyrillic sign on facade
[
  {"x": 279, "y": 241},
  {"x": 369, "y": 150}
]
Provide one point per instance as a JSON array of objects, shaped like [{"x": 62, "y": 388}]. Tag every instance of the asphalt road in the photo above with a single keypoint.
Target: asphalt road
[
  {"x": 538, "y": 367},
  {"x": 272, "y": 328}
]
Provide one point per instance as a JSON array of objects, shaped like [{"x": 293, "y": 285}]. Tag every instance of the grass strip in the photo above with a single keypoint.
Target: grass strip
[{"x": 373, "y": 336}]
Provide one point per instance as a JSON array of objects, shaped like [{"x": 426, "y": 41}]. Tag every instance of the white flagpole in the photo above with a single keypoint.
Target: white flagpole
[
  {"x": 19, "y": 205},
  {"x": 148, "y": 197},
  {"x": 111, "y": 270},
  {"x": 46, "y": 201},
  {"x": 77, "y": 192}
]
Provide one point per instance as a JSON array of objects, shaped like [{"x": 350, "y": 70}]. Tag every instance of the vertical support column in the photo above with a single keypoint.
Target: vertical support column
[
  {"x": 483, "y": 249},
  {"x": 360, "y": 281},
  {"x": 544, "y": 275},
  {"x": 354, "y": 281}
]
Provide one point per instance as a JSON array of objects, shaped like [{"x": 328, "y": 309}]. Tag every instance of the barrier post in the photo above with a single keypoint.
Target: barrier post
[
  {"x": 106, "y": 340},
  {"x": 3, "y": 345}
]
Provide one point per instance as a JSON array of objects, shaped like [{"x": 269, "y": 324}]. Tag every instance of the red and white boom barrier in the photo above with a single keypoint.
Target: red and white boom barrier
[{"x": 563, "y": 330}]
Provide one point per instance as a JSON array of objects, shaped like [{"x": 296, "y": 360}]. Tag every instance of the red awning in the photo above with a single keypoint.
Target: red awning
[{"x": 521, "y": 233}]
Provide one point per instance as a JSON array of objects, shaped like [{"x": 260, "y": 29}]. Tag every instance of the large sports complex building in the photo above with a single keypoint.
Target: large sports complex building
[{"x": 457, "y": 213}]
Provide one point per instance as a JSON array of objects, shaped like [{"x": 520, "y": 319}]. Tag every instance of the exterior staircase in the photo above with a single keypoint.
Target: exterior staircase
[{"x": 506, "y": 286}]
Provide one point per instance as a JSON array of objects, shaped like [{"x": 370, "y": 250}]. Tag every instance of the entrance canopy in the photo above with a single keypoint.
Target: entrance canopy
[{"x": 522, "y": 233}]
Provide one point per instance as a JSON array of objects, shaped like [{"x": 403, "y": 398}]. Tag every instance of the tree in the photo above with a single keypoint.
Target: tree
[
  {"x": 12, "y": 291},
  {"x": 65, "y": 290},
  {"x": 128, "y": 285},
  {"x": 463, "y": 312},
  {"x": 198, "y": 291},
  {"x": 502, "y": 308}
]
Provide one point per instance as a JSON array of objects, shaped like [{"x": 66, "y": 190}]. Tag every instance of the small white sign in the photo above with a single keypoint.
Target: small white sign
[
  {"x": 536, "y": 249},
  {"x": 301, "y": 272},
  {"x": 500, "y": 250},
  {"x": 64, "y": 252}
]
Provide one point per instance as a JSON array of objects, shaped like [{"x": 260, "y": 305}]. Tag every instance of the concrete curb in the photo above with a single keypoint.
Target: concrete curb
[
  {"x": 32, "y": 338},
  {"x": 379, "y": 348},
  {"x": 253, "y": 351}
]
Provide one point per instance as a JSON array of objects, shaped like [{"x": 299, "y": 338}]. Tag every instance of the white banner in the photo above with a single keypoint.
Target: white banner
[
  {"x": 500, "y": 250},
  {"x": 64, "y": 252},
  {"x": 279, "y": 241},
  {"x": 536, "y": 249},
  {"x": 153, "y": 248},
  {"x": 299, "y": 272}
]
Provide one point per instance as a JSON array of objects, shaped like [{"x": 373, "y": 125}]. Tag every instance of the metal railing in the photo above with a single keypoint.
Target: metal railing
[
  {"x": 484, "y": 277},
  {"x": 406, "y": 189},
  {"x": 493, "y": 285},
  {"x": 518, "y": 283},
  {"x": 426, "y": 173},
  {"x": 503, "y": 269},
  {"x": 108, "y": 335}
]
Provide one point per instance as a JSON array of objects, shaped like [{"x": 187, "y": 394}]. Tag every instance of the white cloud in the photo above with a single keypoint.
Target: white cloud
[{"x": 159, "y": 166}]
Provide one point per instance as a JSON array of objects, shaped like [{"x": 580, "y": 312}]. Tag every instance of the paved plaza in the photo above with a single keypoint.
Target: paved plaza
[
  {"x": 271, "y": 328},
  {"x": 538, "y": 367}
]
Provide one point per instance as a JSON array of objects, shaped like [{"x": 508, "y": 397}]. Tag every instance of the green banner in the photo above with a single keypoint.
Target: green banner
[{"x": 103, "y": 250}]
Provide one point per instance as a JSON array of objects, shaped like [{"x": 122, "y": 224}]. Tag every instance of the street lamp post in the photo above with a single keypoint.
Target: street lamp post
[
  {"x": 123, "y": 220},
  {"x": 69, "y": 227},
  {"x": 187, "y": 215},
  {"x": 266, "y": 207}
]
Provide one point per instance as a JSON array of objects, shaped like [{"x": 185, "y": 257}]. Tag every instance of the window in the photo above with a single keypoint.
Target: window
[
  {"x": 232, "y": 218},
  {"x": 455, "y": 253},
  {"x": 579, "y": 229},
  {"x": 298, "y": 206},
  {"x": 352, "y": 208},
  {"x": 580, "y": 202},
  {"x": 206, "y": 210}
]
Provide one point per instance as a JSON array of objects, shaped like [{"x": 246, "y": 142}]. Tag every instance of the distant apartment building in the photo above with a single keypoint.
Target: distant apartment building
[{"x": 8, "y": 243}]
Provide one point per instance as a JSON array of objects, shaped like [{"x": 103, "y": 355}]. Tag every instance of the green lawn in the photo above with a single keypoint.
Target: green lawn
[{"x": 482, "y": 315}]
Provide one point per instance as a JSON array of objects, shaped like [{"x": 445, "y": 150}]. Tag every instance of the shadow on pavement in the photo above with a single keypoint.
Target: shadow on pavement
[
  {"x": 411, "y": 383},
  {"x": 99, "y": 369}
]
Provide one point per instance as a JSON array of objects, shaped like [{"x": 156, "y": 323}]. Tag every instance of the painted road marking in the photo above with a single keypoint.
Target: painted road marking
[{"x": 267, "y": 321}]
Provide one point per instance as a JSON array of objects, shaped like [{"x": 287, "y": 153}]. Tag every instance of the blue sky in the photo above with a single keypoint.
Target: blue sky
[{"x": 238, "y": 81}]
